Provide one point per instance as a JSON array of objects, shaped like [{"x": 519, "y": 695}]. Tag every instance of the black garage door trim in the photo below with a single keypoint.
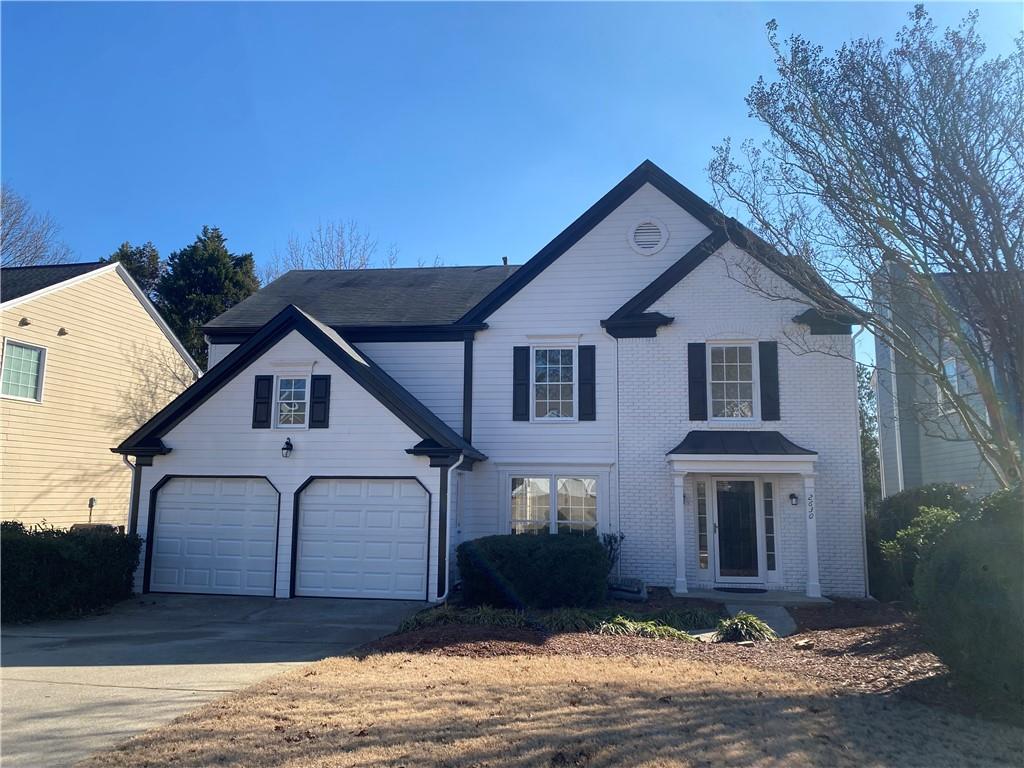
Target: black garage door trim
[
  {"x": 295, "y": 524},
  {"x": 151, "y": 526}
]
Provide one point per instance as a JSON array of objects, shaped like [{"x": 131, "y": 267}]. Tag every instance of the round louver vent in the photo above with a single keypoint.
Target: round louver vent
[{"x": 648, "y": 237}]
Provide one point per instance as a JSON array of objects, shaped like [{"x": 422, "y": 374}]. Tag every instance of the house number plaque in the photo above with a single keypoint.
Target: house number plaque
[{"x": 810, "y": 506}]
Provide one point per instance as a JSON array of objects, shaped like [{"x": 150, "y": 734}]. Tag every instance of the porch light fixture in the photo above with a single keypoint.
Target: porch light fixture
[
  {"x": 793, "y": 499},
  {"x": 286, "y": 449}
]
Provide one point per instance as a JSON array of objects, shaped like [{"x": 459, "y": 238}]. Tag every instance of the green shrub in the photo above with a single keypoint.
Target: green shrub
[
  {"x": 48, "y": 572},
  {"x": 640, "y": 627},
  {"x": 743, "y": 626},
  {"x": 481, "y": 616},
  {"x": 533, "y": 571},
  {"x": 890, "y": 575},
  {"x": 896, "y": 512},
  {"x": 970, "y": 590},
  {"x": 915, "y": 542}
]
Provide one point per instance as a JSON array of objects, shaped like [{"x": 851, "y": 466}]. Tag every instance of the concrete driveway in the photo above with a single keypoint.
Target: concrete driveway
[{"x": 71, "y": 688}]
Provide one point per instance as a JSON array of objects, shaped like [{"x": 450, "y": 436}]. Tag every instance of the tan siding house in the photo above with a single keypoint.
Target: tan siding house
[{"x": 85, "y": 360}]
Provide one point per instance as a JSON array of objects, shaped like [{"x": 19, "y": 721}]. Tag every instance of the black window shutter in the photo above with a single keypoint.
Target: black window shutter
[
  {"x": 319, "y": 402},
  {"x": 697, "y": 372},
  {"x": 261, "y": 402},
  {"x": 520, "y": 383},
  {"x": 768, "y": 360},
  {"x": 588, "y": 382}
]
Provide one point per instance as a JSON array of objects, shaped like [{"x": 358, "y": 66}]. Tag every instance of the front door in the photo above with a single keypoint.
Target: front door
[{"x": 736, "y": 530}]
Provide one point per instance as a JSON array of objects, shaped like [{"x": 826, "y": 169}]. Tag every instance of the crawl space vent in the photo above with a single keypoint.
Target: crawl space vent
[{"x": 648, "y": 237}]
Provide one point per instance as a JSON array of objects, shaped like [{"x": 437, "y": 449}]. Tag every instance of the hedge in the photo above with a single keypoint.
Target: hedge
[
  {"x": 48, "y": 572},
  {"x": 970, "y": 592},
  {"x": 533, "y": 571}
]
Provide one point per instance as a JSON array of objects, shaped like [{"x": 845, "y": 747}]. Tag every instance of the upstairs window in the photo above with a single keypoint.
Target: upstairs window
[
  {"x": 22, "y": 375},
  {"x": 731, "y": 381},
  {"x": 292, "y": 401},
  {"x": 554, "y": 383},
  {"x": 949, "y": 370}
]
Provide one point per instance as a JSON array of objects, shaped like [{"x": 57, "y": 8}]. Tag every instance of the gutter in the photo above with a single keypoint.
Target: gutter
[{"x": 446, "y": 479}]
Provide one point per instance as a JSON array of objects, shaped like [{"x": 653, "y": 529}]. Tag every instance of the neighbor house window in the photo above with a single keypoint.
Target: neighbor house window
[
  {"x": 554, "y": 391},
  {"x": 702, "y": 524},
  {"x": 769, "y": 525},
  {"x": 731, "y": 381},
  {"x": 950, "y": 372},
  {"x": 292, "y": 399},
  {"x": 22, "y": 375},
  {"x": 571, "y": 509}
]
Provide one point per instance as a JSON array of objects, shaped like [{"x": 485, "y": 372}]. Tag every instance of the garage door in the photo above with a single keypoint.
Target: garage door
[
  {"x": 362, "y": 538},
  {"x": 215, "y": 535}
]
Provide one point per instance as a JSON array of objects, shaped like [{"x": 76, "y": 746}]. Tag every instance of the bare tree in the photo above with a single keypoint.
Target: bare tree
[
  {"x": 334, "y": 245},
  {"x": 896, "y": 173},
  {"x": 27, "y": 238}
]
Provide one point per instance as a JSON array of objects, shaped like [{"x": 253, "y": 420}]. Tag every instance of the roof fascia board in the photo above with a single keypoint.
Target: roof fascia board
[
  {"x": 60, "y": 286},
  {"x": 154, "y": 313}
]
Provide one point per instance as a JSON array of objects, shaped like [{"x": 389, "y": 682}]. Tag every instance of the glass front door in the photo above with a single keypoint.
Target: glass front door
[{"x": 736, "y": 502}]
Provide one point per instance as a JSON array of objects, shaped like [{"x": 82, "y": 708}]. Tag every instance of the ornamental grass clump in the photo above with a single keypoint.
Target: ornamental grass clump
[
  {"x": 743, "y": 626},
  {"x": 638, "y": 627}
]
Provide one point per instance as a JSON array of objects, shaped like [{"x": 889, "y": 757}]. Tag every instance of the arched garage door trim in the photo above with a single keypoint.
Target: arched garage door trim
[
  {"x": 151, "y": 527},
  {"x": 313, "y": 478}
]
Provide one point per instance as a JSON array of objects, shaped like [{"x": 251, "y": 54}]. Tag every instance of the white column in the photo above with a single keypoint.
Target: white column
[
  {"x": 813, "y": 585},
  {"x": 678, "y": 486}
]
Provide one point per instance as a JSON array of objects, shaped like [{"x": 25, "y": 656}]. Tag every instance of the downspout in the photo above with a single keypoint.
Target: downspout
[
  {"x": 860, "y": 469},
  {"x": 446, "y": 498},
  {"x": 133, "y": 503}
]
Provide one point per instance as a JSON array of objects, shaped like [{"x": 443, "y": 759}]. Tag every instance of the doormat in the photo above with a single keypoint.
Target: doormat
[{"x": 742, "y": 590}]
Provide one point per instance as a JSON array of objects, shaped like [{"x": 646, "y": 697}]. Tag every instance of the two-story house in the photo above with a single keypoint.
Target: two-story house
[{"x": 355, "y": 426}]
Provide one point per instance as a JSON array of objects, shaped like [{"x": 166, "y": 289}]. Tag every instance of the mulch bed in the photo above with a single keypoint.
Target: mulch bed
[{"x": 857, "y": 647}]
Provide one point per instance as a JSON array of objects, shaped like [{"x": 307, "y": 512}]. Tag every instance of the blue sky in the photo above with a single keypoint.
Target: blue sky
[{"x": 463, "y": 131}]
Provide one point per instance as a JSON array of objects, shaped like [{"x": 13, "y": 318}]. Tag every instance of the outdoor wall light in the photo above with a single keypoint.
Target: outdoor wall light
[
  {"x": 793, "y": 499},
  {"x": 286, "y": 449}
]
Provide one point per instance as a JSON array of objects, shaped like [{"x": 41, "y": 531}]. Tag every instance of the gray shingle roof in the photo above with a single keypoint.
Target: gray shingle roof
[
  {"x": 740, "y": 442},
  {"x": 369, "y": 297},
  {"x": 16, "y": 282}
]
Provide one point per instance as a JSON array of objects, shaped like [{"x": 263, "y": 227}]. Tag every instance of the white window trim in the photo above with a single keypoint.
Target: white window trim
[
  {"x": 276, "y": 414},
  {"x": 600, "y": 473},
  {"x": 42, "y": 370},
  {"x": 554, "y": 344},
  {"x": 755, "y": 365}
]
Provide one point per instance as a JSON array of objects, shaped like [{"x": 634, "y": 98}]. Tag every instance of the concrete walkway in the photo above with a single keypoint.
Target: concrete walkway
[
  {"x": 71, "y": 688},
  {"x": 775, "y": 616}
]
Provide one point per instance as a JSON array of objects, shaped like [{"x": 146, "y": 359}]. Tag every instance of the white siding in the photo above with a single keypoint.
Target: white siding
[
  {"x": 582, "y": 287},
  {"x": 430, "y": 370},
  {"x": 364, "y": 438},
  {"x": 217, "y": 352}
]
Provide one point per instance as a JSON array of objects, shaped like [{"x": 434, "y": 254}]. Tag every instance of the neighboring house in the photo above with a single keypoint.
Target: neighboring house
[
  {"x": 920, "y": 440},
  {"x": 86, "y": 359},
  {"x": 355, "y": 426}
]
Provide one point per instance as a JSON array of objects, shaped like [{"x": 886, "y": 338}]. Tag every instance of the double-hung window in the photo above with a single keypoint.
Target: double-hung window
[
  {"x": 554, "y": 383},
  {"x": 22, "y": 374},
  {"x": 731, "y": 381},
  {"x": 291, "y": 403},
  {"x": 949, "y": 370},
  {"x": 554, "y": 504}
]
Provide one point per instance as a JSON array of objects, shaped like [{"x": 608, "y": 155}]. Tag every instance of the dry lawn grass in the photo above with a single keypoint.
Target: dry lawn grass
[{"x": 402, "y": 709}]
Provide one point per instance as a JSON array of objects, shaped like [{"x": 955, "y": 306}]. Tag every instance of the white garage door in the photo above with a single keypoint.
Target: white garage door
[
  {"x": 362, "y": 538},
  {"x": 215, "y": 535}
]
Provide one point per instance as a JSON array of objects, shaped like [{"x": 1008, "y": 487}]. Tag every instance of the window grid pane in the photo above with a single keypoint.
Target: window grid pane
[
  {"x": 732, "y": 382},
  {"x": 553, "y": 381},
  {"x": 769, "y": 525},
  {"x": 291, "y": 402},
  {"x": 21, "y": 369},
  {"x": 531, "y": 505},
  {"x": 702, "y": 525},
  {"x": 576, "y": 509}
]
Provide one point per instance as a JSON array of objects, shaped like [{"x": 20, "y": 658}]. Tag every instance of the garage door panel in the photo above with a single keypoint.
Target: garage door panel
[
  {"x": 375, "y": 544},
  {"x": 215, "y": 536}
]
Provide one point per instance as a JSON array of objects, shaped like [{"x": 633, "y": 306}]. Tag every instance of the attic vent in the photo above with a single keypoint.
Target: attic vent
[{"x": 647, "y": 237}]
